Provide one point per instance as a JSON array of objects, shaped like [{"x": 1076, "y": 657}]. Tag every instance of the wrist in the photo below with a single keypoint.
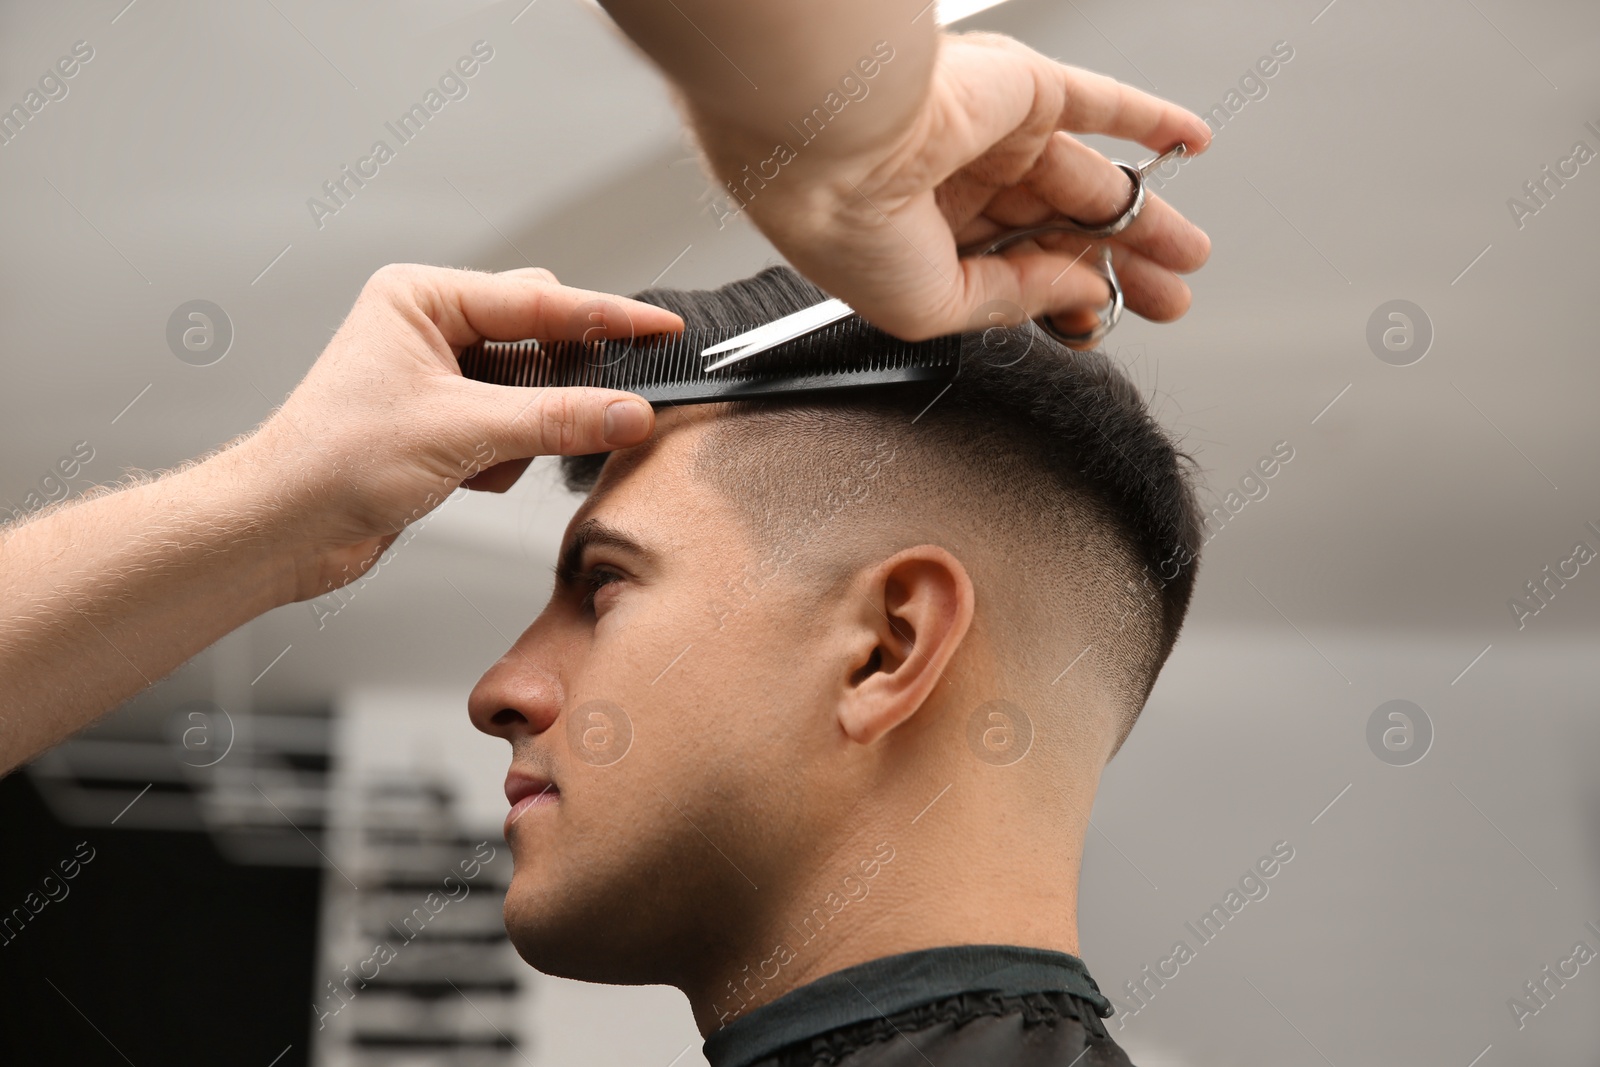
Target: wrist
[
  {"x": 251, "y": 521},
  {"x": 810, "y": 197},
  {"x": 785, "y": 194}
]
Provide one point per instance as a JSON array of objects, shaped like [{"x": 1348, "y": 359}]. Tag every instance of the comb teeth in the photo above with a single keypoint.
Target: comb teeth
[{"x": 667, "y": 369}]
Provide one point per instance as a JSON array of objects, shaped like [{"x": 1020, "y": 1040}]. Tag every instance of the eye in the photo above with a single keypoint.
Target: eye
[{"x": 596, "y": 579}]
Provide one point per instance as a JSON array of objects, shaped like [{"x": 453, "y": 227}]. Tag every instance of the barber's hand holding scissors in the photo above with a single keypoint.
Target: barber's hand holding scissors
[{"x": 989, "y": 150}]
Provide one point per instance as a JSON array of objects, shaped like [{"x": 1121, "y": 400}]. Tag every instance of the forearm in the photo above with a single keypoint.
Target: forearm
[
  {"x": 103, "y": 597},
  {"x": 751, "y": 72}
]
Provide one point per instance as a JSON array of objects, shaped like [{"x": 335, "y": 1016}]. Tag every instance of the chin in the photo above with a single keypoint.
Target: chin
[{"x": 571, "y": 933}]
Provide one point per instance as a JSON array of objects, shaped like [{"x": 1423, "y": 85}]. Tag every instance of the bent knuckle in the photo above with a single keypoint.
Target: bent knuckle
[
  {"x": 391, "y": 274},
  {"x": 394, "y": 279}
]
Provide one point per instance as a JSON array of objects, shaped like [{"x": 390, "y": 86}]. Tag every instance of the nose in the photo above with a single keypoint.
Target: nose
[{"x": 517, "y": 697}]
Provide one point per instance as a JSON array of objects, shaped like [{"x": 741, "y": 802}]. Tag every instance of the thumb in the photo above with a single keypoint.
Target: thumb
[{"x": 553, "y": 421}]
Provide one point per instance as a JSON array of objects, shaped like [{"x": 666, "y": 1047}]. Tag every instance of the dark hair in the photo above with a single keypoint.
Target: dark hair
[{"x": 1064, "y": 435}]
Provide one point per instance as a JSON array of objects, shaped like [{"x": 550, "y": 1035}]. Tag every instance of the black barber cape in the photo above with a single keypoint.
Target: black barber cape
[{"x": 989, "y": 1005}]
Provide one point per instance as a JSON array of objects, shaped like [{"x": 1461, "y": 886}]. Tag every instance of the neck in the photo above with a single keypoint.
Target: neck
[{"x": 955, "y": 874}]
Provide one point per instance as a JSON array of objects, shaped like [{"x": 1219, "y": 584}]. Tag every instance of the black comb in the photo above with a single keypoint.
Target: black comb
[{"x": 666, "y": 368}]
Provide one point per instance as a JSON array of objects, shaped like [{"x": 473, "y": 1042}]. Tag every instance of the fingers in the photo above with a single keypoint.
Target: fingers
[
  {"x": 1148, "y": 288},
  {"x": 1061, "y": 278},
  {"x": 1072, "y": 178},
  {"x": 1081, "y": 101},
  {"x": 519, "y": 423},
  {"x": 1033, "y": 279},
  {"x": 1066, "y": 177},
  {"x": 469, "y": 306},
  {"x": 1162, "y": 235},
  {"x": 1098, "y": 104},
  {"x": 544, "y": 274},
  {"x": 1079, "y": 182},
  {"x": 511, "y": 308}
]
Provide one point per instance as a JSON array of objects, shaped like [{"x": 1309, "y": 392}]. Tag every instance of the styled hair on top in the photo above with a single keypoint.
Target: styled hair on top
[{"x": 1053, "y": 459}]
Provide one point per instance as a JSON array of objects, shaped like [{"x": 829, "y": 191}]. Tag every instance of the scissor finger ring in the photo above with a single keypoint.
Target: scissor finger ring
[
  {"x": 1108, "y": 315},
  {"x": 1112, "y": 311},
  {"x": 1067, "y": 224},
  {"x": 1136, "y": 175}
]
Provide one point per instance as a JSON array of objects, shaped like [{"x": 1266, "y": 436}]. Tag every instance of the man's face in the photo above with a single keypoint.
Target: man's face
[{"x": 670, "y": 698}]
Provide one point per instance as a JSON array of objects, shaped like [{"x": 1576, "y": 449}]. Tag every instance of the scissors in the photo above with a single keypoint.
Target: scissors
[{"x": 811, "y": 319}]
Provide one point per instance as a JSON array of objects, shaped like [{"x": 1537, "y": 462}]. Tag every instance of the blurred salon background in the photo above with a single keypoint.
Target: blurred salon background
[{"x": 1389, "y": 669}]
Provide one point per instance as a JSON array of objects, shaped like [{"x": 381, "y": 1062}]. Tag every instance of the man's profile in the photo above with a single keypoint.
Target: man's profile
[{"x": 869, "y": 651}]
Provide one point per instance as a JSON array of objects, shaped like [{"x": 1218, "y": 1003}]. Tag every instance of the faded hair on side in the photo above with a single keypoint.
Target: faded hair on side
[{"x": 1049, "y": 458}]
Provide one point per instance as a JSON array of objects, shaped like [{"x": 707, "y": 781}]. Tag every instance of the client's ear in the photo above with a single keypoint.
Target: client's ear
[{"x": 917, "y": 607}]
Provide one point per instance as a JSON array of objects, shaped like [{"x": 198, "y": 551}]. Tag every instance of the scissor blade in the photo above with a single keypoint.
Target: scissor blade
[
  {"x": 778, "y": 331},
  {"x": 789, "y": 326}
]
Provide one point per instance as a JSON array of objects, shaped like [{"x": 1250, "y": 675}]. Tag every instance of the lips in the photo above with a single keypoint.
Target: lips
[{"x": 527, "y": 791}]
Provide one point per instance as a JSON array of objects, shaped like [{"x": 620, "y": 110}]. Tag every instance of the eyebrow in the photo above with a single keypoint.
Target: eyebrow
[{"x": 593, "y": 532}]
